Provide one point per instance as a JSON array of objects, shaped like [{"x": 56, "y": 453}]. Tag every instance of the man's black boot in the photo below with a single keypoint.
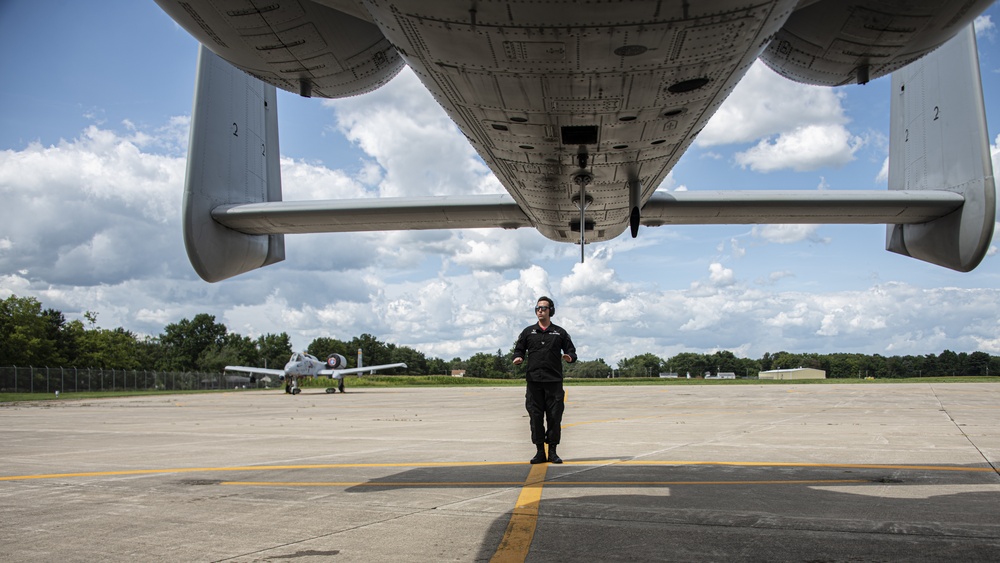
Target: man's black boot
[
  {"x": 539, "y": 455},
  {"x": 553, "y": 456}
]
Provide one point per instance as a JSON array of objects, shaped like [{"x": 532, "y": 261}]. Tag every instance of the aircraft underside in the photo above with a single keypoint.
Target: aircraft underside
[{"x": 580, "y": 110}]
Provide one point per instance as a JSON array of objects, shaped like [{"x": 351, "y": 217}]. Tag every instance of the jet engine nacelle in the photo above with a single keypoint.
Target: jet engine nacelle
[
  {"x": 336, "y": 361},
  {"x": 831, "y": 42},
  {"x": 301, "y": 47}
]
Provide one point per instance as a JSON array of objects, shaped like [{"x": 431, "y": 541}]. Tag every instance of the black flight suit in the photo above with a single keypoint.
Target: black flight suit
[{"x": 542, "y": 351}]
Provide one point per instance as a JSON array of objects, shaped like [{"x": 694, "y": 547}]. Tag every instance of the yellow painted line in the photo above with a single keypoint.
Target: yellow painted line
[
  {"x": 493, "y": 464},
  {"x": 796, "y": 464},
  {"x": 259, "y": 468},
  {"x": 375, "y": 483},
  {"x": 539, "y": 484},
  {"x": 521, "y": 529},
  {"x": 677, "y": 483}
]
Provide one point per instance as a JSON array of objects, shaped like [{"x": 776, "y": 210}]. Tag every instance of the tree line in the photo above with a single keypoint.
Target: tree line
[
  {"x": 836, "y": 365},
  {"x": 33, "y": 336}
]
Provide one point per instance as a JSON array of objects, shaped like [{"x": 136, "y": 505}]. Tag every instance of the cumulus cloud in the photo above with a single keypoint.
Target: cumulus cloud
[
  {"x": 764, "y": 104},
  {"x": 73, "y": 211},
  {"x": 483, "y": 250},
  {"x": 787, "y": 234},
  {"x": 594, "y": 277},
  {"x": 805, "y": 148},
  {"x": 738, "y": 251},
  {"x": 888, "y": 318},
  {"x": 302, "y": 180},
  {"x": 795, "y": 126},
  {"x": 984, "y": 26},
  {"x": 413, "y": 140},
  {"x": 720, "y": 275},
  {"x": 883, "y": 174},
  {"x": 774, "y": 277}
]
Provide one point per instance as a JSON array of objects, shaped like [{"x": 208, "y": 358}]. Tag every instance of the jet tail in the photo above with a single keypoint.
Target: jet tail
[
  {"x": 939, "y": 141},
  {"x": 232, "y": 158}
]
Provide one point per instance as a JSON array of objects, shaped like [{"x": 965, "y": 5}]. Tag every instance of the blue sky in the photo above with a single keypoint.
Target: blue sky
[{"x": 93, "y": 132}]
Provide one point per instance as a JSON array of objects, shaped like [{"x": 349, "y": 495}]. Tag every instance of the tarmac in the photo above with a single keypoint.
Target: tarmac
[{"x": 812, "y": 473}]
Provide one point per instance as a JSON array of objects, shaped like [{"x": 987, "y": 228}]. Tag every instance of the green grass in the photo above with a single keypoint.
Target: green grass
[
  {"x": 16, "y": 397},
  {"x": 369, "y": 381},
  {"x": 446, "y": 381}
]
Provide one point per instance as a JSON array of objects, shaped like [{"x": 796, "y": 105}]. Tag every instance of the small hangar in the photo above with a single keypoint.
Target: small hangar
[{"x": 796, "y": 373}]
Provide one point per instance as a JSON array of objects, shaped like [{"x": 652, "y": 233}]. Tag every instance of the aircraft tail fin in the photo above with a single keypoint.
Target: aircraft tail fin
[
  {"x": 938, "y": 141},
  {"x": 233, "y": 158}
]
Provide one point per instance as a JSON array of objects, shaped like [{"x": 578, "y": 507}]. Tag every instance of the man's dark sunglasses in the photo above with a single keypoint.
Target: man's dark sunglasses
[{"x": 542, "y": 308}]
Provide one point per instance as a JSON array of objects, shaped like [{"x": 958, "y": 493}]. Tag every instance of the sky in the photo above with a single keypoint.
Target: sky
[{"x": 94, "y": 113}]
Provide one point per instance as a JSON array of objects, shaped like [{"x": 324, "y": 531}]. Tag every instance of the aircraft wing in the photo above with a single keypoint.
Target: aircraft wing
[
  {"x": 797, "y": 206},
  {"x": 247, "y": 369},
  {"x": 372, "y": 214},
  {"x": 663, "y": 208},
  {"x": 338, "y": 373}
]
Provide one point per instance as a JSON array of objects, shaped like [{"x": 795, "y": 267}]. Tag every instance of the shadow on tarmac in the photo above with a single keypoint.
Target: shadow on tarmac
[{"x": 633, "y": 511}]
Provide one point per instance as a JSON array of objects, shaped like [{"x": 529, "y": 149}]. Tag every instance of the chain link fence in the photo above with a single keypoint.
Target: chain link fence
[{"x": 18, "y": 379}]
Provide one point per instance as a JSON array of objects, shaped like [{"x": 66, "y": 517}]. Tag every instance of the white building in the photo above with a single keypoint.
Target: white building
[
  {"x": 721, "y": 375},
  {"x": 796, "y": 373}
]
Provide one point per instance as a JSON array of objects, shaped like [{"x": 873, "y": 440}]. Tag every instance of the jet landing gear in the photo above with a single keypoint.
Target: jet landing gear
[
  {"x": 340, "y": 387},
  {"x": 292, "y": 387}
]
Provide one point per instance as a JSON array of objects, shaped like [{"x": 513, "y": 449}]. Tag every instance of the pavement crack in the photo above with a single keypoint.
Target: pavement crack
[
  {"x": 963, "y": 432},
  {"x": 316, "y": 537}
]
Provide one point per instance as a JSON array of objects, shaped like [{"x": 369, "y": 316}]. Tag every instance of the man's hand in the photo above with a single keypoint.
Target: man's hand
[
  {"x": 567, "y": 358},
  {"x": 517, "y": 361}
]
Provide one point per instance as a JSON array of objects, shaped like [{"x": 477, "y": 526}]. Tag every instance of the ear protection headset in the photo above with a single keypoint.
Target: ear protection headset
[{"x": 552, "y": 305}]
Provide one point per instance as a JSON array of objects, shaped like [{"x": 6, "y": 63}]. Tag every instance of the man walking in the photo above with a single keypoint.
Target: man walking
[{"x": 545, "y": 346}]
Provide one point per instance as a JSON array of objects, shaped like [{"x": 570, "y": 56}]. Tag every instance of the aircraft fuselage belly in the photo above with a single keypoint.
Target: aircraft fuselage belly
[{"x": 533, "y": 85}]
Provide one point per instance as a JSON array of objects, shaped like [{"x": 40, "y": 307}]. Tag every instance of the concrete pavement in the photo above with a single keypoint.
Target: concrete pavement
[{"x": 867, "y": 472}]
